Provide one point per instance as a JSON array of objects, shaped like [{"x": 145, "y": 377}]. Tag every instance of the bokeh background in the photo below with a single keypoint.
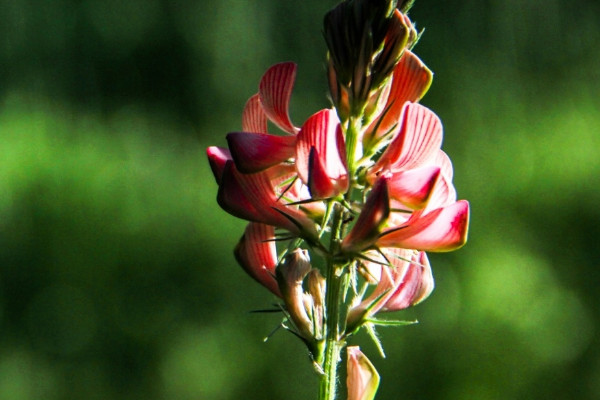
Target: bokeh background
[{"x": 117, "y": 279}]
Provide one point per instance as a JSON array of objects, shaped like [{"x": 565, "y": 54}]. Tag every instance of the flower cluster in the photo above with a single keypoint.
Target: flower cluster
[{"x": 364, "y": 184}]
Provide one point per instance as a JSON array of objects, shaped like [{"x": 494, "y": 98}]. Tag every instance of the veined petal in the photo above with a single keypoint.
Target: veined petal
[
  {"x": 413, "y": 284},
  {"x": 414, "y": 187},
  {"x": 218, "y": 157},
  {"x": 410, "y": 81},
  {"x": 275, "y": 91},
  {"x": 427, "y": 283},
  {"x": 417, "y": 141},
  {"x": 362, "y": 377},
  {"x": 442, "y": 160},
  {"x": 257, "y": 254},
  {"x": 322, "y": 132},
  {"x": 254, "y": 152},
  {"x": 443, "y": 194},
  {"x": 254, "y": 118},
  {"x": 373, "y": 215},
  {"x": 252, "y": 197},
  {"x": 390, "y": 277},
  {"x": 443, "y": 229}
]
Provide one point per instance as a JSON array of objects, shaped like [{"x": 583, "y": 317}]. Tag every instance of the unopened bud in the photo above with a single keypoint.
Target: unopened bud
[
  {"x": 363, "y": 379},
  {"x": 289, "y": 278}
]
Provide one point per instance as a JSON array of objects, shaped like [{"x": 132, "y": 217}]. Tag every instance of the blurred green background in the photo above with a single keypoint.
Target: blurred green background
[{"x": 117, "y": 279}]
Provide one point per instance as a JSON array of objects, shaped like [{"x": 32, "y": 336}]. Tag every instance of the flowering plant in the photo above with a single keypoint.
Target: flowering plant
[{"x": 364, "y": 185}]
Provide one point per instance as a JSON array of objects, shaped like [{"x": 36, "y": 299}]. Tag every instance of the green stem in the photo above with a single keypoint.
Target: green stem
[
  {"x": 333, "y": 343},
  {"x": 352, "y": 132}
]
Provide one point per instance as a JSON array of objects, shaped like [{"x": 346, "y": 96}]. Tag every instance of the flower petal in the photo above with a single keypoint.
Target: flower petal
[
  {"x": 413, "y": 284},
  {"x": 410, "y": 81},
  {"x": 320, "y": 131},
  {"x": 254, "y": 118},
  {"x": 275, "y": 91},
  {"x": 252, "y": 197},
  {"x": 417, "y": 141},
  {"x": 414, "y": 187},
  {"x": 217, "y": 157},
  {"x": 257, "y": 254},
  {"x": 443, "y": 229},
  {"x": 373, "y": 215},
  {"x": 254, "y": 152}
]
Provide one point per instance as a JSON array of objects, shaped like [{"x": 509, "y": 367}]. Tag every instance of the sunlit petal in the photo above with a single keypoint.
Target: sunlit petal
[
  {"x": 217, "y": 157},
  {"x": 254, "y": 152},
  {"x": 257, "y": 254},
  {"x": 275, "y": 91},
  {"x": 368, "y": 225},
  {"x": 418, "y": 139},
  {"x": 443, "y": 229},
  {"x": 414, "y": 187},
  {"x": 254, "y": 118}
]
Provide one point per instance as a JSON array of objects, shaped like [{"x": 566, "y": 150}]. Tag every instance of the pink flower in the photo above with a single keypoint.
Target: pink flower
[
  {"x": 405, "y": 282},
  {"x": 418, "y": 179}
]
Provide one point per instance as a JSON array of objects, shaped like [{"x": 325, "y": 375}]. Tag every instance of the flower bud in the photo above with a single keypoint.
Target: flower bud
[
  {"x": 363, "y": 379},
  {"x": 290, "y": 276}
]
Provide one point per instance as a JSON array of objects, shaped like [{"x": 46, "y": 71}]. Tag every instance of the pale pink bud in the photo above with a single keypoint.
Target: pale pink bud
[
  {"x": 290, "y": 276},
  {"x": 363, "y": 379}
]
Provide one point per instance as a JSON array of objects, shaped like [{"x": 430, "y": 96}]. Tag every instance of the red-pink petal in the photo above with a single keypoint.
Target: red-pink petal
[
  {"x": 373, "y": 215},
  {"x": 413, "y": 284},
  {"x": 257, "y": 254},
  {"x": 414, "y": 187},
  {"x": 319, "y": 183},
  {"x": 417, "y": 141},
  {"x": 254, "y": 152},
  {"x": 275, "y": 91},
  {"x": 254, "y": 118},
  {"x": 443, "y": 229},
  {"x": 218, "y": 157},
  {"x": 442, "y": 160},
  {"x": 252, "y": 197},
  {"x": 410, "y": 81},
  {"x": 321, "y": 138}
]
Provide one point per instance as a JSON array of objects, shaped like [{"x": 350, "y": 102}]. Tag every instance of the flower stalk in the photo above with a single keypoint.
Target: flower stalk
[{"x": 364, "y": 185}]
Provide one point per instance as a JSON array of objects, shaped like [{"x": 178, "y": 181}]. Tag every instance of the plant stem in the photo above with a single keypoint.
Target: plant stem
[
  {"x": 352, "y": 131},
  {"x": 333, "y": 343}
]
